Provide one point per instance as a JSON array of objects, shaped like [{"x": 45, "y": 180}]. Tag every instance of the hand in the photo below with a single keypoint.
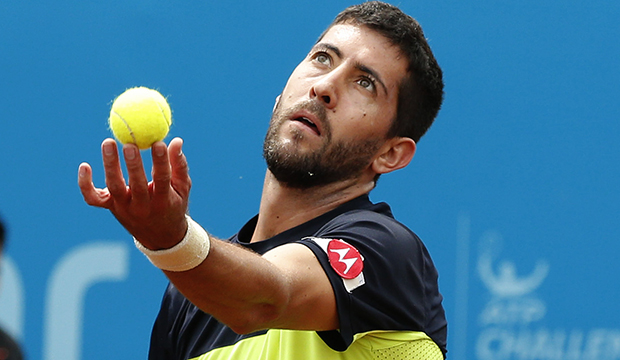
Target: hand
[{"x": 153, "y": 212}]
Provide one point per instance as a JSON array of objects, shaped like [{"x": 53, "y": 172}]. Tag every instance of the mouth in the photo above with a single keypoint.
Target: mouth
[{"x": 309, "y": 123}]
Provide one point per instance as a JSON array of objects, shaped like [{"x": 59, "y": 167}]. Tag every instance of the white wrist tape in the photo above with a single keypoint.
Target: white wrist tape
[{"x": 186, "y": 255}]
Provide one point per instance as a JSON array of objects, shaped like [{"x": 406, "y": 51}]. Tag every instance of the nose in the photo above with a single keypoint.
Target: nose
[{"x": 325, "y": 90}]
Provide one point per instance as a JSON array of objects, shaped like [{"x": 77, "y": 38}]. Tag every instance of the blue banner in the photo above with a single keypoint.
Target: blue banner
[{"x": 515, "y": 189}]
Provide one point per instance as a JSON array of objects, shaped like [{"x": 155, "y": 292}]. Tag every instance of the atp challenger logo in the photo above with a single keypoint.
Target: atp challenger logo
[{"x": 512, "y": 320}]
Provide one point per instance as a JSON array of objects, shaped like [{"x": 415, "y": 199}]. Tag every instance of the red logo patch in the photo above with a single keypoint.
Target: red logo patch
[{"x": 344, "y": 259}]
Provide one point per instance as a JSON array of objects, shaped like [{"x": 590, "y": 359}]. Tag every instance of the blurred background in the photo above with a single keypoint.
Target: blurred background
[{"x": 515, "y": 189}]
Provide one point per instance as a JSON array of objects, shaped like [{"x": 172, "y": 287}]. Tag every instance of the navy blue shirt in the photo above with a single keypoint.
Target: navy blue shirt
[{"x": 396, "y": 290}]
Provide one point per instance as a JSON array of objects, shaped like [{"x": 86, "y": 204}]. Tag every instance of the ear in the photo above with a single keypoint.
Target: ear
[
  {"x": 395, "y": 154},
  {"x": 275, "y": 105}
]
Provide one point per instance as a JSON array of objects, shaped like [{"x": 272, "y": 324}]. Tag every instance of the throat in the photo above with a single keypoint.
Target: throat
[{"x": 283, "y": 208}]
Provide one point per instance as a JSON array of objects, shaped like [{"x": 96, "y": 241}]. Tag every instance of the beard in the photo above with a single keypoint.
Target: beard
[{"x": 333, "y": 161}]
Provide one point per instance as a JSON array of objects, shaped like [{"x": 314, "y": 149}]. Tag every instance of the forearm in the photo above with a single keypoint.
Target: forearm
[{"x": 238, "y": 287}]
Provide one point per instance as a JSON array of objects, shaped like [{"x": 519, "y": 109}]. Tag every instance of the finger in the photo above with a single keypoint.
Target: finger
[
  {"x": 113, "y": 174},
  {"x": 161, "y": 170},
  {"x": 92, "y": 196},
  {"x": 138, "y": 184},
  {"x": 181, "y": 181}
]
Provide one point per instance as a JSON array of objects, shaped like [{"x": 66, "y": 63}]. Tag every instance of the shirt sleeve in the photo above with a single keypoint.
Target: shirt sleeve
[{"x": 396, "y": 277}]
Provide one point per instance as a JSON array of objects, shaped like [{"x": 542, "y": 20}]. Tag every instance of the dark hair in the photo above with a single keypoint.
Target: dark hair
[{"x": 421, "y": 91}]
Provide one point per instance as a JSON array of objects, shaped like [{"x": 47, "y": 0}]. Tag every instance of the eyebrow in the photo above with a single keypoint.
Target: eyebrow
[
  {"x": 327, "y": 46},
  {"x": 372, "y": 73},
  {"x": 359, "y": 66}
]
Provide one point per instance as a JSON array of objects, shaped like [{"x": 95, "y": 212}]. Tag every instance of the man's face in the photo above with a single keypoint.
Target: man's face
[{"x": 336, "y": 108}]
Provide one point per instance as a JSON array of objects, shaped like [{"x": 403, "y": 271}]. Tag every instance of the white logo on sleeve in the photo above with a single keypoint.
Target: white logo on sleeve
[
  {"x": 345, "y": 260},
  {"x": 341, "y": 258}
]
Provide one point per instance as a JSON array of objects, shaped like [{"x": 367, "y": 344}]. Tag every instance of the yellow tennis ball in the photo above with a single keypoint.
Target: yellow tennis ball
[{"x": 140, "y": 116}]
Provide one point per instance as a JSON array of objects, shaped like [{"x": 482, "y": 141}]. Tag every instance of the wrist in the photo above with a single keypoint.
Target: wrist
[{"x": 186, "y": 255}]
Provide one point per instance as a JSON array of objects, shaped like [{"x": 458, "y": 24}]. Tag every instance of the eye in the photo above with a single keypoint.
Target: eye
[
  {"x": 322, "y": 58},
  {"x": 367, "y": 83}
]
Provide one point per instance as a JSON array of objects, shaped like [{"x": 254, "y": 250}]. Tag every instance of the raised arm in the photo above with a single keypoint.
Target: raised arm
[{"x": 285, "y": 288}]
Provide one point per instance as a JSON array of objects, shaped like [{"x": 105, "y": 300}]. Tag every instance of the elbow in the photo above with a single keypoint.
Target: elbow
[{"x": 264, "y": 316}]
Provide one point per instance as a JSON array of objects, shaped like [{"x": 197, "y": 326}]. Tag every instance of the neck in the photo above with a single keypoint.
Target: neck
[{"x": 283, "y": 208}]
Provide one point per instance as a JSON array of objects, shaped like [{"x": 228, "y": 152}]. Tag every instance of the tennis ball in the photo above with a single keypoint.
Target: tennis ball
[{"x": 140, "y": 116}]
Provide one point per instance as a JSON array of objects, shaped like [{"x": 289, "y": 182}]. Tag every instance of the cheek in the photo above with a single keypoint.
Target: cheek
[
  {"x": 369, "y": 121},
  {"x": 298, "y": 83},
  {"x": 360, "y": 125},
  {"x": 294, "y": 92}
]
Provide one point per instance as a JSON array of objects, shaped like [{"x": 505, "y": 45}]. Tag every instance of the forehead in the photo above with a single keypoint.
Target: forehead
[{"x": 369, "y": 48}]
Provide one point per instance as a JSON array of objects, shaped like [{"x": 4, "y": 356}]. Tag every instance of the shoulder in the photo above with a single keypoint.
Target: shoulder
[
  {"x": 373, "y": 226},
  {"x": 385, "y": 245}
]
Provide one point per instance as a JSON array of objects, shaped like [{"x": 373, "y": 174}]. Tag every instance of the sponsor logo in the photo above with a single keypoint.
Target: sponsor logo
[{"x": 345, "y": 259}]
